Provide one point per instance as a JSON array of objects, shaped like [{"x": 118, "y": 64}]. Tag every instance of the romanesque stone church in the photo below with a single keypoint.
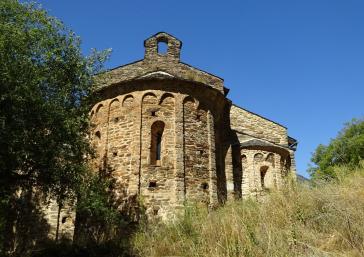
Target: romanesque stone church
[{"x": 168, "y": 132}]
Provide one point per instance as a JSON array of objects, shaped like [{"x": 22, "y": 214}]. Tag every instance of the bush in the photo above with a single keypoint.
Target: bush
[{"x": 101, "y": 227}]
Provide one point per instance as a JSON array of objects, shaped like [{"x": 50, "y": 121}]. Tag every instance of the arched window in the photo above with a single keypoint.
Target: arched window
[{"x": 156, "y": 143}]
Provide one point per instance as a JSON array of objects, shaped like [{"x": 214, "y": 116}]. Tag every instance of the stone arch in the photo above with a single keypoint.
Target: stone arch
[
  {"x": 114, "y": 108},
  {"x": 98, "y": 108},
  {"x": 258, "y": 157},
  {"x": 270, "y": 159},
  {"x": 157, "y": 139},
  {"x": 244, "y": 160},
  {"x": 114, "y": 101},
  {"x": 167, "y": 98},
  {"x": 99, "y": 111},
  {"x": 189, "y": 109},
  {"x": 128, "y": 101},
  {"x": 189, "y": 99},
  {"x": 149, "y": 98}
]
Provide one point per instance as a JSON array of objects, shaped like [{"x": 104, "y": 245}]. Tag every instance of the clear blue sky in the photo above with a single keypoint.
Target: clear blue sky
[{"x": 300, "y": 63}]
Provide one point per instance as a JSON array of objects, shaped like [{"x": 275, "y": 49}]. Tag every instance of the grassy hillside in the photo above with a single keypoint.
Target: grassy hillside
[{"x": 325, "y": 219}]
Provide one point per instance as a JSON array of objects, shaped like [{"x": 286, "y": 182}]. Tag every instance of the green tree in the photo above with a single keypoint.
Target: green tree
[
  {"x": 45, "y": 88},
  {"x": 346, "y": 149}
]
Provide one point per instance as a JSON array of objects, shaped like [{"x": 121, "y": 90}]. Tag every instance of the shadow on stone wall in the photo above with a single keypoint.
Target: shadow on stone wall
[
  {"x": 105, "y": 223},
  {"x": 106, "y": 218},
  {"x": 26, "y": 226}
]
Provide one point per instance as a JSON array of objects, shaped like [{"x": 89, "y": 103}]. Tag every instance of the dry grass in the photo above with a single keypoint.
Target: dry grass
[{"x": 323, "y": 220}]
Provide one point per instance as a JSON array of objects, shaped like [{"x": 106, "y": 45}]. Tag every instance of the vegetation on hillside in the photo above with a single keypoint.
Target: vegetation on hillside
[
  {"x": 324, "y": 219},
  {"x": 347, "y": 148}
]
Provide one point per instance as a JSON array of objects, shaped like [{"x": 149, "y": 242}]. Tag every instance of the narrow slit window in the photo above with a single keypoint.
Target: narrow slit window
[{"x": 156, "y": 143}]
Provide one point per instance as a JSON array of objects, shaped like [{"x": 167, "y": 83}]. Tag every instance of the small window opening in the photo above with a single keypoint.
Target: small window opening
[
  {"x": 200, "y": 152},
  {"x": 155, "y": 211},
  {"x": 98, "y": 135},
  {"x": 156, "y": 143},
  {"x": 64, "y": 219},
  {"x": 153, "y": 113},
  {"x": 198, "y": 117},
  {"x": 115, "y": 153},
  {"x": 162, "y": 47},
  {"x": 205, "y": 186},
  {"x": 152, "y": 184},
  {"x": 263, "y": 173},
  {"x": 116, "y": 119}
]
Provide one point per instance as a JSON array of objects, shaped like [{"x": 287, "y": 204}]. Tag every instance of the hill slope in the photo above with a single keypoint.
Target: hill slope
[{"x": 325, "y": 219}]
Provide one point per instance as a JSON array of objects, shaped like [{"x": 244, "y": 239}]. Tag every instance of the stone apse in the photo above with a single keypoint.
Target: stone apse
[{"x": 168, "y": 134}]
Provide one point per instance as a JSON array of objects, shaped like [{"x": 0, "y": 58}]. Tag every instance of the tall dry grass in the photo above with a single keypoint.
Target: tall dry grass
[{"x": 325, "y": 219}]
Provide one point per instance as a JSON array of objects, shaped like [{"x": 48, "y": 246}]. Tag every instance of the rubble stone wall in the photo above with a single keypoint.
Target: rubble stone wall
[
  {"x": 257, "y": 126},
  {"x": 125, "y": 128}
]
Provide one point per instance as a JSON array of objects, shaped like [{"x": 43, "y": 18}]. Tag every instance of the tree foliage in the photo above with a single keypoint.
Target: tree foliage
[
  {"x": 97, "y": 218},
  {"x": 45, "y": 88},
  {"x": 45, "y": 81},
  {"x": 346, "y": 149}
]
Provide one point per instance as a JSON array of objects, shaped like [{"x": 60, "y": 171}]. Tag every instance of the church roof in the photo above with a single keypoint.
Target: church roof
[{"x": 158, "y": 65}]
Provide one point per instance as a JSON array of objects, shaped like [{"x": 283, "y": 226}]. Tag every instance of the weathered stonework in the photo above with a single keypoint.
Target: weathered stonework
[
  {"x": 168, "y": 133},
  {"x": 61, "y": 217},
  {"x": 205, "y": 156}
]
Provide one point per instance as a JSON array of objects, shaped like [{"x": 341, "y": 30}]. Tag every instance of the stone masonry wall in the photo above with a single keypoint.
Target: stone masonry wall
[
  {"x": 157, "y": 179},
  {"x": 257, "y": 126},
  {"x": 123, "y": 137},
  {"x": 262, "y": 171},
  {"x": 64, "y": 216},
  {"x": 196, "y": 151}
]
